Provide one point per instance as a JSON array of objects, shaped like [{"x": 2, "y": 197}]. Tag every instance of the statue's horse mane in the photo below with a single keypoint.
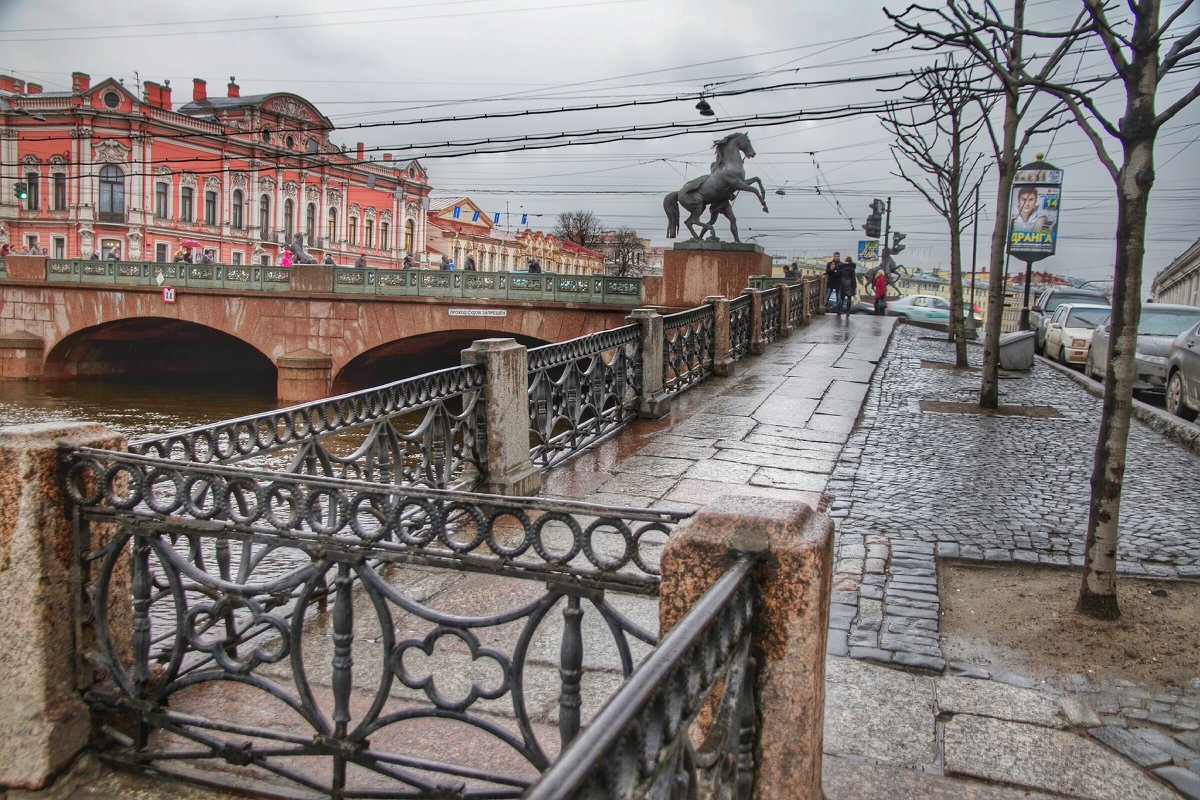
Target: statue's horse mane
[{"x": 719, "y": 144}]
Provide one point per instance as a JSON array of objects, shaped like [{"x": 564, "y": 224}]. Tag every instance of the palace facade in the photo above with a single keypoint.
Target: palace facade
[{"x": 106, "y": 171}]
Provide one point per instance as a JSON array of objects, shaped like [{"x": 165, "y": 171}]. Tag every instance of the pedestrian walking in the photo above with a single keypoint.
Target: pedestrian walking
[
  {"x": 286, "y": 259},
  {"x": 408, "y": 263},
  {"x": 880, "y": 293},
  {"x": 329, "y": 260},
  {"x": 362, "y": 261},
  {"x": 445, "y": 264},
  {"x": 470, "y": 266},
  {"x": 847, "y": 282},
  {"x": 831, "y": 279}
]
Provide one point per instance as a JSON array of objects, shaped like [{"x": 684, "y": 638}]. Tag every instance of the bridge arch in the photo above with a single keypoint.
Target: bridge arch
[
  {"x": 159, "y": 348},
  {"x": 415, "y": 355}
]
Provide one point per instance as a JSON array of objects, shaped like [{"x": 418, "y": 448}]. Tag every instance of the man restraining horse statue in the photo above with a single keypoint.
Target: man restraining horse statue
[{"x": 715, "y": 191}]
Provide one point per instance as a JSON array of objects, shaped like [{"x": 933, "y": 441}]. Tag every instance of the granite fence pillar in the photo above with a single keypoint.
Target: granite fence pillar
[
  {"x": 722, "y": 361},
  {"x": 793, "y": 579},
  {"x": 756, "y": 321},
  {"x": 654, "y": 402},
  {"x": 44, "y": 722},
  {"x": 785, "y": 308},
  {"x": 506, "y": 463}
]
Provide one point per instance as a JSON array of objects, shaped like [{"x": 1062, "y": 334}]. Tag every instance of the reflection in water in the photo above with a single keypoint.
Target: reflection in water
[{"x": 130, "y": 408}]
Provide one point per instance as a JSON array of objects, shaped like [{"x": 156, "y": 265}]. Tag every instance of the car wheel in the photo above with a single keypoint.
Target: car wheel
[
  {"x": 1040, "y": 347},
  {"x": 1062, "y": 356},
  {"x": 1175, "y": 402},
  {"x": 1089, "y": 367}
]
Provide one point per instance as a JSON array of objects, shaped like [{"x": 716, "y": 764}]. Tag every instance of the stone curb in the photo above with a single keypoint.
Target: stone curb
[{"x": 1177, "y": 430}]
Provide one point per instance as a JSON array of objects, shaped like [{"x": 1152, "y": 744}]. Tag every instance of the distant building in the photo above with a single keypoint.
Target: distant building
[
  {"x": 107, "y": 171},
  {"x": 1179, "y": 282},
  {"x": 460, "y": 228}
]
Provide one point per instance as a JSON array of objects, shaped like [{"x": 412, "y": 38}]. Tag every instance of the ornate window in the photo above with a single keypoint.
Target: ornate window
[
  {"x": 352, "y": 233},
  {"x": 31, "y": 186},
  {"x": 383, "y": 235},
  {"x": 160, "y": 200},
  {"x": 238, "y": 218},
  {"x": 210, "y": 208},
  {"x": 60, "y": 191},
  {"x": 409, "y": 233},
  {"x": 112, "y": 193},
  {"x": 369, "y": 233},
  {"x": 264, "y": 216},
  {"x": 331, "y": 232},
  {"x": 310, "y": 223},
  {"x": 289, "y": 218},
  {"x": 186, "y": 200}
]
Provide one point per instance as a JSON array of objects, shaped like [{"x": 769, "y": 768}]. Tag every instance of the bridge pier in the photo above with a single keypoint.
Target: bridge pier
[
  {"x": 21, "y": 356},
  {"x": 303, "y": 376}
]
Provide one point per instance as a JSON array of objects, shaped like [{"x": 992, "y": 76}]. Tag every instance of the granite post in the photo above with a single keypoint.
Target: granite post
[
  {"x": 44, "y": 722},
  {"x": 722, "y": 361},
  {"x": 654, "y": 403},
  {"x": 785, "y": 309},
  {"x": 756, "y": 321},
  {"x": 694, "y": 270},
  {"x": 793, "y": 579},
  {"x": 507, "y": 466}
]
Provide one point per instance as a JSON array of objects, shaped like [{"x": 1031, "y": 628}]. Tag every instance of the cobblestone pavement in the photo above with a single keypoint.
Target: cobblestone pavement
[{"x": 912, "y": 486}]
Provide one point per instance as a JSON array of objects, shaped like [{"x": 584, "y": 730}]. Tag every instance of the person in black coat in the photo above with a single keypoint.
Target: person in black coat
[{"x": 847, "y": 281}]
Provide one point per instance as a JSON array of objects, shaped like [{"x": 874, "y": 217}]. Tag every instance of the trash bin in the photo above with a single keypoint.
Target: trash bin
[{"x": 1016, "y": 350}]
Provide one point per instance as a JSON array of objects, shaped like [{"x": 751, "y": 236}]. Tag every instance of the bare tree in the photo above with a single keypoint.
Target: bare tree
[
  {"x": 938, "y": 144},
  {"x": 998, "y": 47},
  {"x": 1132, "y": 44},
  {"x": 581, "y": 227},
  {"x": 626, "y": 252}
]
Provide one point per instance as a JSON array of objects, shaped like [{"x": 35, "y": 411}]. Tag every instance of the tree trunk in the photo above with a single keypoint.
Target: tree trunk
[
  {"x": 1098, "y": 591},
  {"x": 957, "y": 329},
  {"x": 989, "y": 389}
]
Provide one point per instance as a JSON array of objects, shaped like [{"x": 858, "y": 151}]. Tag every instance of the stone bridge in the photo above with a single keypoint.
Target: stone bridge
[{"x": 316, "y": 330}]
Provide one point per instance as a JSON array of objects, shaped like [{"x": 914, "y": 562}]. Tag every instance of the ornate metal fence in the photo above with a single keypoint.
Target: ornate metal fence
[
  {"x": 216, "y": 649},
  {"x": 739, "y": 327},
  {"x": 582, "y": 390},
  {"x": 797, "y": 296},
  {"x": 688, "y": 347},
  {"x": 643, "y": 743},
  {"x": 421, "y": 430},
  {"x": 771, "y": 314}
]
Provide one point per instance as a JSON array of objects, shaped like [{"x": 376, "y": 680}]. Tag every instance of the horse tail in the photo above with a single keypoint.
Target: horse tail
[{"x": 671, "y": 206}]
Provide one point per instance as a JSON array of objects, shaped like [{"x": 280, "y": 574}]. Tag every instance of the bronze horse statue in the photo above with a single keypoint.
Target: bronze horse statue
[{"x": 716, "y": 190}]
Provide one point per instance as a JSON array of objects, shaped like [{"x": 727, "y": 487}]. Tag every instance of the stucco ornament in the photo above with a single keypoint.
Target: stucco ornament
[
  {"x": 266, "y": 184},
  {"x": 110, "y": 151},
  {"x": 291, "y": 188}
]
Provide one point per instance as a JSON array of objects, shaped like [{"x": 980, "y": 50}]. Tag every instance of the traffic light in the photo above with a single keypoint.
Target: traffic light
[
  {"x": 897, "y": 238},
  {"x": 21, "y": 191},
  {"x": 875, "y": 220}
]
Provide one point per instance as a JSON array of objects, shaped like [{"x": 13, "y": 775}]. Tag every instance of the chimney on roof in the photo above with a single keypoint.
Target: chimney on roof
[
  {"x": 199, "y": 90},
  {"x": 80, "y": 82},
  {"x": 360, "y": 151},
  {"x": 151, "y": 93},
  {"x": 165, "y": 94},
  {"x": 33, "y": 88},
  {"x": 387, "y": 156},
  {"x": 8, "y": 84},
  {"x": 234, "y": 89}
]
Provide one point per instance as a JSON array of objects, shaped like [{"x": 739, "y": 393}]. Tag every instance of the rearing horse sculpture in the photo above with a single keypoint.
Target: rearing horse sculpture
[{"x": 716, "y": 190}]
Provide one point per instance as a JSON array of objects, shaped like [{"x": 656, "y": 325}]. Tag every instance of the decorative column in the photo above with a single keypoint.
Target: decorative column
[
  {"x": 506, "y": 463},
  {"x": 756, "y": 337},
  {"x": 43, "y": 626},
  {"x": 793, "y": 577},
  {"x": 785, "y": 309},
  {"x": 303, "y": 376},
  {"x": 654, "y": 403},
  {"x": 722, "y": 362}
]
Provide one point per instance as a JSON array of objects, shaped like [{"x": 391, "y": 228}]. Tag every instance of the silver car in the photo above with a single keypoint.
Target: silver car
[
  {"x": 1160, "y": 323},
  {"x": 1048, "y": 302},
  {"x": 1183, "y": 374}
]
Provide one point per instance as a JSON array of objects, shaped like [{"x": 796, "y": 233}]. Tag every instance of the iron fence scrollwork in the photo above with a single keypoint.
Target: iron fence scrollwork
[
  {"x": 771, "y": 314},
  {"x": 739, "y": 327},
  {"x": 688, "y": 347}
]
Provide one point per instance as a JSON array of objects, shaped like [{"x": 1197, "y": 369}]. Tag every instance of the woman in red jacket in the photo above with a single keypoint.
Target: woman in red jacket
[{"x": 880, "y": 293}]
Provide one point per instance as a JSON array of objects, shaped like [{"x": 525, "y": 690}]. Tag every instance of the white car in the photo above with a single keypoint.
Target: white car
[{"x": 1069, "y": 334}]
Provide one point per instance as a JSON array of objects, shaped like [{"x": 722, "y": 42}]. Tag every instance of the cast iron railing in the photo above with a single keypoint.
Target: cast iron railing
[
  {"x": 207, "y": 592},
  {"x": 688, "y": 347},
  {"x": 816, "y": 303},
  {"x": 582, "y": 390},
  {"x": 739, "y": 326},
  {"x": 797, "y": 296},
  {"x": 420, "y": 430},
  {"x": 772, "y": 315},
  {"x": 651, "y": 739}
]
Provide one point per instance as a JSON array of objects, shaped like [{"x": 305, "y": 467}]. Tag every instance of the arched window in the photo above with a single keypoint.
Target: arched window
[
  {"x": 310, "y": 223},
  {"x": 331, "y": 232},
  {"x": 289, "y": 218},
  {"x": 112, "y": 193},
  {"x": 238, "y": 218},
  {"x": 186, "y": 200},
  {"x": 264, "y": 216},
  {"x": 408, "y": 236},
  {"x": 352, "y": 232}
]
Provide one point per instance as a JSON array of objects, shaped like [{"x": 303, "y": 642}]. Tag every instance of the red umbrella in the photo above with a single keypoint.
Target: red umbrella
[{"x": 190, "y": 243}]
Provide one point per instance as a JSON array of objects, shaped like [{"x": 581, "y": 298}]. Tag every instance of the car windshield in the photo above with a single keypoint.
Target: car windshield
[
  {"x": 1166, "y": 323},
  {"x": 1087, "y": 317}
]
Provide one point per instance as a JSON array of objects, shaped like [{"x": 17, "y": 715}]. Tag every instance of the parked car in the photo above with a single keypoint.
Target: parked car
[
  {"x": 1069, "y": 334},
  {"x": 1049, "y": 301},
  {"x": 1159, "y": 325},
  {"x": 1183, "y": 374},
  {"x": 927, "y": 308}
]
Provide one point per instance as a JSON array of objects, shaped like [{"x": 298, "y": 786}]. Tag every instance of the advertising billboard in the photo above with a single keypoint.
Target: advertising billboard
[
  {"x": 1034, "y": 211},
  {"x": 868, "y": 253}
]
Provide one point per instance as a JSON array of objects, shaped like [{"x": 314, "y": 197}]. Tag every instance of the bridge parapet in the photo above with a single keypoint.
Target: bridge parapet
[{"x": 517, "y": 286}]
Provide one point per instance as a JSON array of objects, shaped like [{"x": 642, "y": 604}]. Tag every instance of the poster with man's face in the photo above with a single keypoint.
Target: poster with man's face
[{"x": 1033, "y": 214}]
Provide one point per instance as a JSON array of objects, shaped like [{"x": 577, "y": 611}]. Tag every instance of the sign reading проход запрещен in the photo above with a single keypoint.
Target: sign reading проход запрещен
[{"x": 479, "y": 312}]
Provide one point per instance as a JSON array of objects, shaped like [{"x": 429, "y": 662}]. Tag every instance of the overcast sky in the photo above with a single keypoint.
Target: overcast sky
[{"x": 375, "y": 63}]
